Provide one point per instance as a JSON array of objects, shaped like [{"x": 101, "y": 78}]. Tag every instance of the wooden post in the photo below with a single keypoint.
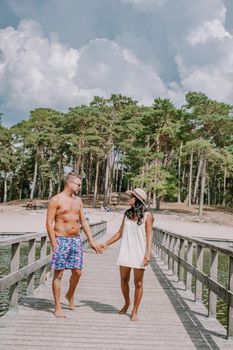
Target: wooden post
[
  {"x": 155, "y": 237},
  {"x": 230, "y": 308},
  {"x": 13, "y": 295},
  {"x": 160, "y": 238},
  {"x": 188, "y": 284},
  {"x": 198, "y": 289},
  {"x": 31, "y": 259},
  {"x": 181, "y": 255},
  {"x": 214, "y": 276},
  {"x": 176, "y": 252},
  {"x": 43, "y": 251},
  {"x": 171, "y": 248},
  {"x": 164, "y": 244},
  {"x": 167, "y": 246}
]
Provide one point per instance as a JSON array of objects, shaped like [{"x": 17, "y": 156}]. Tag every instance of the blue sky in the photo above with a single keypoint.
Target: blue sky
[{"x": 61, "y": 53}]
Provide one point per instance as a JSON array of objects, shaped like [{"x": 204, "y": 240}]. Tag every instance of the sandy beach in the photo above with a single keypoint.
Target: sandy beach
[{"x": 216, "y": 224}]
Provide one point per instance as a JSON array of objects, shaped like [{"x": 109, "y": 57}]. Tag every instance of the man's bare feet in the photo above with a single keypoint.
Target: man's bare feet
[
  {"x": 134, "y": 317},
  {"x": 59, "y": 313},
  {"x": 71, "y": 302},
  {"x": 124, "y": 309}
]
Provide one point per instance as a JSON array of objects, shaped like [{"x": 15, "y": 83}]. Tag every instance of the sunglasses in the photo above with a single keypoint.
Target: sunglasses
[{"x": 79, "y": 185}]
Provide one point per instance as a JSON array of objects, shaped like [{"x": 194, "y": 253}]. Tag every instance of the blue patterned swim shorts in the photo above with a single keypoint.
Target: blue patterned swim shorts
[{"x": 68, "y": 253}]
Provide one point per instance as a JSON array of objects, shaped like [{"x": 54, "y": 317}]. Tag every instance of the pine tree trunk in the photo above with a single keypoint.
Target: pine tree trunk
[
  {"x": 131, "y": 185},
  {"x": 20, "y": 192},
  {"x": 196, "y": 186},
  {"x": 142, "y": 177},
  {"x": 214, "y": 191},
  {"x": 82, "y": 168},
  {"x": 183, "y": 178},
  {"x": 224, "y": 186},
  {"x": 203, "y": 177},
  {"x": 60, "y": 173},
  {"x": 42, "y": 182},
  {"x": 79, "y": 160},
  {"x": 154, "y": 200},
  {"x": 89, "y": 174},
  {"x": 121, "y": 180},
  {"x": 106, "y": 184},
  {"x": 96, "y": 182},
  {"x": 127, "y": 184},
  {"x": 5, "y": 188},
  {"x": 10, "y": 195},
  {"x": 190, "y": 179},
  {"x": 219, "y": 192},
  {"x": 50, "y": 187},
  {"x": 208, "y": 188},
  {"x": 34, "y": 178},
  {"x": 179, "y": 175},
  {"x": 40, "y": 187},
  {"x": 158, "y": 203},
  {"x": 116, "y": 177},
  {"x": 111, "y": 173},
  {"x": 149, "y": 198}
]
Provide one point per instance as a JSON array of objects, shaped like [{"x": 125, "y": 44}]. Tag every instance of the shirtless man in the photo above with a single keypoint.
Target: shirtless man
[{"x": 64, "y": 216}]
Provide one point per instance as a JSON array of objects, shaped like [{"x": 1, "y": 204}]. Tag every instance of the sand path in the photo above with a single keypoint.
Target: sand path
[{"x": 17, "y": 219}]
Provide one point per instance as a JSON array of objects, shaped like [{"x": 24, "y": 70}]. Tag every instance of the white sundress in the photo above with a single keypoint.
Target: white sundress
[{"x": 133, "y": 244}]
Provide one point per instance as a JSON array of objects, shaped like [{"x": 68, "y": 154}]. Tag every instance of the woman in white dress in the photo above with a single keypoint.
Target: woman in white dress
[{"x": 135, "y": 249}]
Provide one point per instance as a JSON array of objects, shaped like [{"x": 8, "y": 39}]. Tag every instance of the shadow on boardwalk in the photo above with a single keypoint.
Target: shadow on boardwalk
[
  {"x": 38, "y": 304},
  {"x": 200, "y": 337},
  {"x": 100, "y": 307}
]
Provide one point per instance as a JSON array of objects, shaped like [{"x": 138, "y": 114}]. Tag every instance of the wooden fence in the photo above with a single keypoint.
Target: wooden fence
[
  {"x": 176, "y": 251},
  {"x": 16, "y": 274}
]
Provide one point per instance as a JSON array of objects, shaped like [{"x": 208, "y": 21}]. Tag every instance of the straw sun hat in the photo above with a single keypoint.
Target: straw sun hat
[{"x": 139, "y": 193}]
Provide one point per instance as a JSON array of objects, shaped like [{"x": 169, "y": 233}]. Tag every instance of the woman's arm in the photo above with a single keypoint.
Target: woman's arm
[
  {"x": 149, "y": 224},
  {"x": 115, "y": 237}
]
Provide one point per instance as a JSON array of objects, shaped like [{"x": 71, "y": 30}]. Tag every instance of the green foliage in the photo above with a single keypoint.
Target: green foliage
[{"x": 149, "y": 142}]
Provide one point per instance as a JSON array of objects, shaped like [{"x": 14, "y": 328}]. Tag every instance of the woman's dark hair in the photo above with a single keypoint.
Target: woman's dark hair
[{"x": 137, "y": 210}]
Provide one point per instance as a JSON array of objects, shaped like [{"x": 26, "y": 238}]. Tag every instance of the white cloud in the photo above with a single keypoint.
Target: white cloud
[
  {"x": 210, "y": 81},
  {"x": 208, "y": 31},
  {"x": 214, "y": 79},
  {"x": 141, "y": 48},
  {"x": 104, "y": 64},
  {"x": 36, "y": 71}
]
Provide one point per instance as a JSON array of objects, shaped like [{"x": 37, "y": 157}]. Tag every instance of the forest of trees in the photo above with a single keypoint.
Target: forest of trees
[{"x": 176, "y": 154}]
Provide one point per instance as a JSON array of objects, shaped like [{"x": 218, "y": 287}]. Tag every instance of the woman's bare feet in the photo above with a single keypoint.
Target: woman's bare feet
[
  {"x": 71, "y": 302},
  {"x": 59, "y": 313},
  {"x": 134, "y": 317},
  {"x": 125, "y": 308}
]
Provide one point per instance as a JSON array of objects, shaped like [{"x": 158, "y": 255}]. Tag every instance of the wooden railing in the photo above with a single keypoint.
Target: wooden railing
[
  {"x": 176, "y": 251},
  {"x": 17, "y": 274}
]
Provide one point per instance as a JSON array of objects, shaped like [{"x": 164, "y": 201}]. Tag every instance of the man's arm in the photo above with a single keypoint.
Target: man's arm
[
  {"x": 87, "y": 231},
  {"x": 51, "y": 213}
]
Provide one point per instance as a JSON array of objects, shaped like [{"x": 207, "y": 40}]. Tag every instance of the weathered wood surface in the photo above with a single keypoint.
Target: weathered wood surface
[
  {"x": 165, "y": 319},
  {"x": 189, "y": 271}
]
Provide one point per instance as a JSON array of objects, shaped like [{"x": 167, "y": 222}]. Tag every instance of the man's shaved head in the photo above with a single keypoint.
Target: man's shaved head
[{"x": 71, "y": 177}]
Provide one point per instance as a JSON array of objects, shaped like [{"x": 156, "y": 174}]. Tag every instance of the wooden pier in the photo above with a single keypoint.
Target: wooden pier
[{"x": 168, "y": 316}]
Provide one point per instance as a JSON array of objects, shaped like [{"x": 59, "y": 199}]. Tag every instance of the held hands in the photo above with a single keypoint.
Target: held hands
[
  {"x": 104, "y": 246},
  {"x": 146, "y": 260},
  {"x": 96, "y": 247},
  {"x": 99, "y": 248}
]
